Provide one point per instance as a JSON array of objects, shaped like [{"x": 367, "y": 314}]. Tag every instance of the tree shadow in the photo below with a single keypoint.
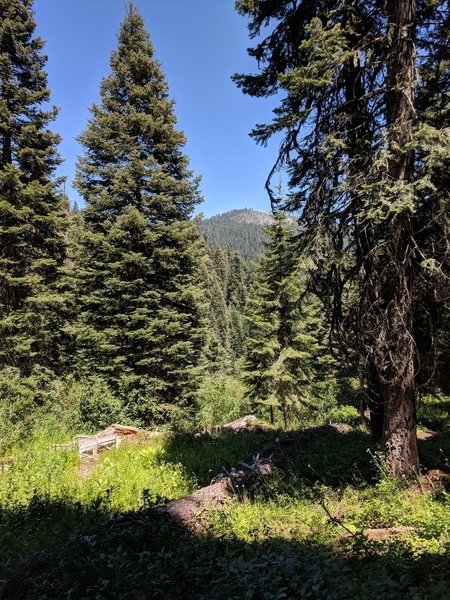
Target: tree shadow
[
  {"x": 204, "y": 456},
  {"x": 435, "y": 451},
  {"x": 328, "y": 456},
  {"x": 142, "y": 555},
  {"x": 63, "y": 549}
]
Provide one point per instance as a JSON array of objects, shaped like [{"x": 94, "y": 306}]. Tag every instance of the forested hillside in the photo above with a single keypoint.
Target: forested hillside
[
  {"x": 242, "y": 229},
  {"x": 246, "y": 406}
]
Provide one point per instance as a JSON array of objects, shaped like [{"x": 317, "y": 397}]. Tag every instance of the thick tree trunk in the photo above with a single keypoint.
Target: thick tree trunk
[
  {"x": 375, "y": 402},
  {"x": 396, "y": 360}
]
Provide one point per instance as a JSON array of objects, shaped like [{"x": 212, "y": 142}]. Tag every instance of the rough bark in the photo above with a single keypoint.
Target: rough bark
[
  {"x": 287, "y": 416},
  {"x": 399, "y": 434}
]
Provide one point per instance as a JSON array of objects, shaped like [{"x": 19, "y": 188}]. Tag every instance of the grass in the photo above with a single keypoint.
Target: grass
[{"x": 100, "y": 538}]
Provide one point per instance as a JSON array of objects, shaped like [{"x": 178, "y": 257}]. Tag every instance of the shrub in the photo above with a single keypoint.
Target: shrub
[
  {"x": 98, "y": 406},
  {"x": 17, "y": 406},
  {"x": 343, "y": 414},
  {"x": 220, "y": 399}
]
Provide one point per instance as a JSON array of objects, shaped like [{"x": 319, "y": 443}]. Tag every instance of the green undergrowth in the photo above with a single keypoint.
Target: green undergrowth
[
  {"x": 433, "y": 412},
  {"x": 299, "y": 533}
]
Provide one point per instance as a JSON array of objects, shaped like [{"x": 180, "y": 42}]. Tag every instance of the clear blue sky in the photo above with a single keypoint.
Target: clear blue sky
[{"x": 200, "y": 44}]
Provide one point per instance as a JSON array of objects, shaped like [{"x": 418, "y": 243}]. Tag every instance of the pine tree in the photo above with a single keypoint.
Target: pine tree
[
  {"x": 140, "y": 318},
  {"x": 236, "y": 298},
  {"x": 282, "y": 347},
  {"x": 227, "y": 278},
  {"x": 32, "y": 207},
  {"x": 217, "y": 345},
  {"x": 358, "y": 160}
]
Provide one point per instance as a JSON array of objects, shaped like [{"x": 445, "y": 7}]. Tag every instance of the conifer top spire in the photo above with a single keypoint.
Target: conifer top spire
[{"x": 139, "y": 253}]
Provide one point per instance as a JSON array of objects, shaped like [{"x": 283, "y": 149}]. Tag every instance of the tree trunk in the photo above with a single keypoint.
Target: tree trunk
[
  {"x": 375, "y": 402},
  {"x": 396, "y": 361},
  {"x": 287, "y": 416}
]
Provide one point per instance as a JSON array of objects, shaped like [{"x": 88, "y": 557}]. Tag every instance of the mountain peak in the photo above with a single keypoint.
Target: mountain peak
[
  {"x": 242, "y": 228},
  {"x": 245, "y": 215}
]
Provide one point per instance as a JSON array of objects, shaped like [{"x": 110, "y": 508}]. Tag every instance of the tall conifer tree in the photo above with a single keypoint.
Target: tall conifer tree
[
  {"x": 140, "y": 319},
  {"x": 282, "y": 346},
  {"x": 32, "y": 207},
  {"x": 363, "y": 175}
]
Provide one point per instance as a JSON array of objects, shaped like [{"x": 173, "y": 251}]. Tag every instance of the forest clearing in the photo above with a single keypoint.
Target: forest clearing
[
  {"x": 327, "y": 522},
  {"x": 250, "y": 405}
]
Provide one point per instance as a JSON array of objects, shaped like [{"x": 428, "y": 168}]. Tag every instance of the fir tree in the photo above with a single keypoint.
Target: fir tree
[
  {"x": 227, "y": 279},
  {"x": 217, "y": 345},
  {"x": 358, "y": 159},
  {"x": 282, "y": 347},
  {"x": 32, "y": 208},
  {"x": 140, "y": 319}
]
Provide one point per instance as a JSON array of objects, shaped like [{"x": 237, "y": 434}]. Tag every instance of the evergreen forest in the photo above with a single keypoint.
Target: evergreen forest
[
  {"x": 244, "y": 230},
  {"x": 246, "y": 406}
]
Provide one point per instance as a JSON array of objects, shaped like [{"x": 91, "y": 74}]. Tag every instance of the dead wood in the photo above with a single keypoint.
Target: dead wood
[
  {"x": 432, "y": 480},
  {"x": 247, "y": 423},
  {"x": 190, "y": 510},
  {"x": 111, "y": 437},
  {"x": 425, "y": 435},
  {"x": 6, "y": 462},
  {"x": 381, "y": 534},
  {"x": 216, "y": 496}
]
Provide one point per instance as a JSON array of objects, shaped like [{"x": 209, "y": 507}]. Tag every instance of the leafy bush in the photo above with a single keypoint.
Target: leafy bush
[
  {"x": 34, "y": 405},
  {"x": 17, "y": 406},
  {"x": 343, "y": 414},
  {"x": 220, "y": 399},
  {"x": 98, "y": 406}
]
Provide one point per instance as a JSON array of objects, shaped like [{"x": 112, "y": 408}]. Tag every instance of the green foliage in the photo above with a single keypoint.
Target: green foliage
[
  {"x": 243, "y": 230},
  {"x": 98, "y": 406},
  {"x": 136, "y": 272},
  {"x": 17, "y": 406},
  {"x": 343, "y": 414},
  {"x": 31, "y": 406},
  {"x": 220, "y": 399},
  {"x": 433, "y": 411},
  {"x": 363, "y": 122},
  {"x": 32, "y": 207},
  {"x": 278, "y": 543},
  {"x": 283, "y": 344},
  {"x": 227, "y": 280}
]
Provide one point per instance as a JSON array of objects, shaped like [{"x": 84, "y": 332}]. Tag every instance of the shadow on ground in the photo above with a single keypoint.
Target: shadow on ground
[
  {"x": 142, "y": 555},
  {"x": 65, "y": 550},
  {"x": 435, "y": 451},
  {"x": 331, "y": 458}
]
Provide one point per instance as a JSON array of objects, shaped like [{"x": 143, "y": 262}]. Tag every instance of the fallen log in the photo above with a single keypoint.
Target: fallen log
[
  {"x": 190, "y": 509},
  {"x": 216, "y": 496},
  {"x": 379, "y": 534}
]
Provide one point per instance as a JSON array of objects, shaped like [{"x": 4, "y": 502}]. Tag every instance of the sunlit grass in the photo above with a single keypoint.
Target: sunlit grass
[{"x": 301, "y": 527}]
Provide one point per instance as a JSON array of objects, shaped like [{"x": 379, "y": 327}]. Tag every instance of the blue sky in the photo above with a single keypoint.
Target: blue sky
[{"x": 200, "y": 44}]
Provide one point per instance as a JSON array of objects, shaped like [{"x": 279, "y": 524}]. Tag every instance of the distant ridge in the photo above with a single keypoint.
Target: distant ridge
[{"x": 243, "y": 229}]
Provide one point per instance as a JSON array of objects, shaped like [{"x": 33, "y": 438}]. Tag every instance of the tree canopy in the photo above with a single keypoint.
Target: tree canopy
[
  {"x": 32, "y": 205},
  {"x": 365, "y": 160},
  {"x": 140, "y": 315}
]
